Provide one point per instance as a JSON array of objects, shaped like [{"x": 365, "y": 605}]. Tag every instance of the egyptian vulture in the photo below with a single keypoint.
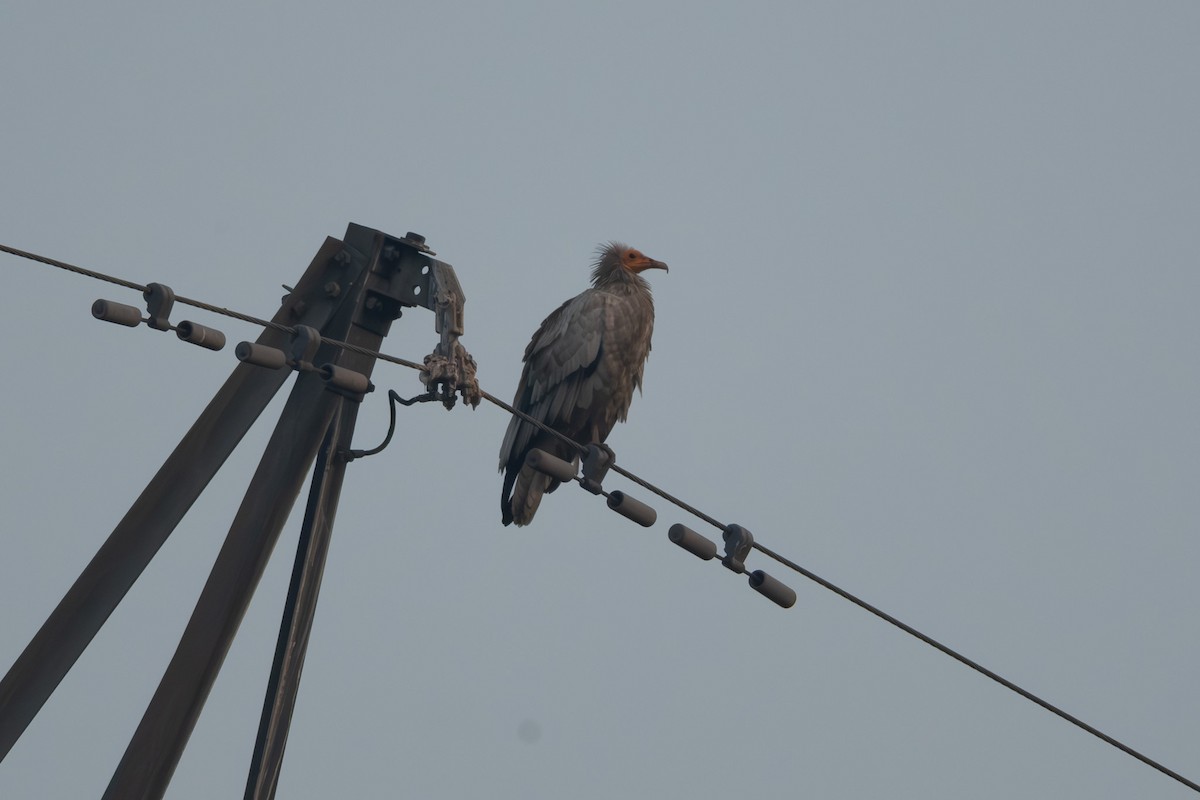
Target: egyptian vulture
[{"x": 581, "y": 368}]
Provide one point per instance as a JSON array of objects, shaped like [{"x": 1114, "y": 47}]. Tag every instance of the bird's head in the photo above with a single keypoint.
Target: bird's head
[
  {"x": 635, "y": 260},
  {"x": 615, "y": 260}
]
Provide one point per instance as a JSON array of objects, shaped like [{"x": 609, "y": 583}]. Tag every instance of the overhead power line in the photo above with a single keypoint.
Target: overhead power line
[
  {"x": 226, "y": 312},
  {"x": 581, "y": 448}
]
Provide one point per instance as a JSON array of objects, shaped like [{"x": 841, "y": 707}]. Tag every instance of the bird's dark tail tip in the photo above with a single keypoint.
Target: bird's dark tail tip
[{"x": 506, "y": 514}]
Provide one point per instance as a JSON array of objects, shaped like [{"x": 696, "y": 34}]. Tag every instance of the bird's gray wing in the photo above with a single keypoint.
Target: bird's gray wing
[{"x": 559, "y": 364}]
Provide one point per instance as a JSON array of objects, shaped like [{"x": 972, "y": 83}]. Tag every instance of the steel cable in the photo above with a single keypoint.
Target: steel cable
[{"x": 666, "y": 496}]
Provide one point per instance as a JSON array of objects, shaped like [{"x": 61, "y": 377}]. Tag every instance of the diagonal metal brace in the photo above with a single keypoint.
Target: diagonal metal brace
[{"x": 152, "y": 517}]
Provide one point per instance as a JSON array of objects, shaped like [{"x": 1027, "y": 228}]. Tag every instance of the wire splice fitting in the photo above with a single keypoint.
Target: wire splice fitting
[
  {"x": 632, "y": 509},
  {"x": 699, "y": 546},
  {"x": 553, "y": 466},
  {"x": 779, "y": 593},
  {"x": 738, "y": 542}
]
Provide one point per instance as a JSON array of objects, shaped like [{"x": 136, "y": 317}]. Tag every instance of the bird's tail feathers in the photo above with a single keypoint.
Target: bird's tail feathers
[
  {"x": 527, "y": 494},
  {"x": 510, "y": 478}
]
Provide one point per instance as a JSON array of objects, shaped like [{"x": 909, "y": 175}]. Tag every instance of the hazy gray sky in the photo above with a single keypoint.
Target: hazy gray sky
[{"x": 929, "y": 330}]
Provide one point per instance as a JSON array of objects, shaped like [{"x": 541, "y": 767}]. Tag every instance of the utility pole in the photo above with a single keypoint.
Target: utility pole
[{"x": 328, "y": 330}]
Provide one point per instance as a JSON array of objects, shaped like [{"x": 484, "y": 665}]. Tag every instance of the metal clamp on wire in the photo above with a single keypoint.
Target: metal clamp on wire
[
  {"x": 449, "y": 369},
  {"x": 159, "y": 302},
  {"x": 448, "y": 376},
  {"x": 738, "y": 542},
  {"x": 305, "y": 343},
  {"x": 596, "y": 463}
]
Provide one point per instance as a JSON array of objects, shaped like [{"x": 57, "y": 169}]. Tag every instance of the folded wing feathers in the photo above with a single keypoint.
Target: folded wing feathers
[
  {"x": 574, "y": 384},
  {"x": 558, "y": 364}
]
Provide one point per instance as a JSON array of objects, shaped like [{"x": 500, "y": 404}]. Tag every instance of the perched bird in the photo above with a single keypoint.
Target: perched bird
[{"x": 581, "y": 368}]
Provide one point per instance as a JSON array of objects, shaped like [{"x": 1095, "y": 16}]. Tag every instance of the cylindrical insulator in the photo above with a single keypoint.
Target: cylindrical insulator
[
  {"x": 346, "y": 379},
  {"x": 121, "y": 314},
  {"x": 260, "y": 355},
  {"x": 550, "y": 465},
  {"x": 773, "y": 590},
  {"x": 694, "y": 543},
  {"x": 202, "y": 335},
  {"x": 632, "y": 509}
]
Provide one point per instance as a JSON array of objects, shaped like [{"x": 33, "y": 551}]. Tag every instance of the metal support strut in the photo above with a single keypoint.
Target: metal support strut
[{"x": 352, "y": 292}]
